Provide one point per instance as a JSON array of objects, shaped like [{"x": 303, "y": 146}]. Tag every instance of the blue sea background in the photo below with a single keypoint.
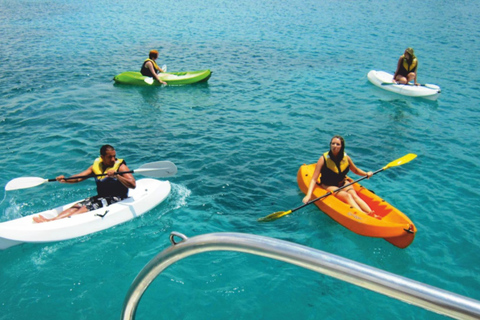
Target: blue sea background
[{"x": 287, "y": 76}]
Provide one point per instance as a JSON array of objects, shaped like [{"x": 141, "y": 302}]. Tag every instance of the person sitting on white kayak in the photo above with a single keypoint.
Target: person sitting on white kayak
[
  {"x": 334, "y": 166},
  {"x": 406, "y": 68},
  {"x": 111, "y": 187},
  {"x": 150, "y": 67}
]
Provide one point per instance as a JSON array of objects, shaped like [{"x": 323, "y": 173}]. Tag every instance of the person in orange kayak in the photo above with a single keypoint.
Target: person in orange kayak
[
  {"x": 333, "y": 167},
  {"x": 406, "y": 68},
  {"x": 150, "y": 67},
  {"x": 111, "y": 187}
]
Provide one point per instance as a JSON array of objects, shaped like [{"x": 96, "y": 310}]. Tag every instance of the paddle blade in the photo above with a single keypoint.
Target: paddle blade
[
  {"x": 148, "y": 80},
  {"x": 164, "y": 68},
  {"x": 159, "y": 169},
  {"x": 274, "y": 216},
  {"x": 24, "y": 183},
  {"x": 405, "y": 159}
]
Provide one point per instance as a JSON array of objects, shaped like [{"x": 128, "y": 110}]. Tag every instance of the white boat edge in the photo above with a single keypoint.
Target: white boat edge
[{"x": 148, "y": 194}]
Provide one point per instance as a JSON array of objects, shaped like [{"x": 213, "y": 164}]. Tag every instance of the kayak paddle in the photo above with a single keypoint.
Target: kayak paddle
[
  {"x": 157, "y": 169},
  {"x": 405, "y": 159}
]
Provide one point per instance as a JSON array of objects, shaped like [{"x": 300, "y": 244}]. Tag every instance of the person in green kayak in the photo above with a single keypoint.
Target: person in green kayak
[
  {"x": 333, "y": 167},
  {"x": 111, "y": 187},
  {"x": 150, "y": 67},
  {"x": 406, "y": 68}
]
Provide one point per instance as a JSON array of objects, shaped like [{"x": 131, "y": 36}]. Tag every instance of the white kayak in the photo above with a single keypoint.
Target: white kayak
[
  {"x": 383, "y": 80},
  {"x": 147, "y": 195}
]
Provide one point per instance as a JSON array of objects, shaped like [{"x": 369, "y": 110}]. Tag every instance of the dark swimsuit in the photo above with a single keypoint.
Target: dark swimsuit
[{"x": 404, "y": 72}]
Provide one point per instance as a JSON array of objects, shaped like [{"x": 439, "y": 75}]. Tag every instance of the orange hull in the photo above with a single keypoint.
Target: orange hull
[{"x": 392, "y": 225}]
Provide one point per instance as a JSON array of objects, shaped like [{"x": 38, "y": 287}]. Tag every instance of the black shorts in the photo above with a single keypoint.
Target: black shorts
[{"x": 96, "y": 202}]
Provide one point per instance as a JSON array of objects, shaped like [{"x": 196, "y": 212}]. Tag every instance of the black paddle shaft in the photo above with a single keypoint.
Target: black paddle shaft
[{"x": 91, "y": 176}]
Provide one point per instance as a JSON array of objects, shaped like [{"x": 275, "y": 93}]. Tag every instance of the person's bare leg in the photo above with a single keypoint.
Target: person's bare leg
[
  {"x": 401, "y": 79},
  {"x": 64, "y": 214}
]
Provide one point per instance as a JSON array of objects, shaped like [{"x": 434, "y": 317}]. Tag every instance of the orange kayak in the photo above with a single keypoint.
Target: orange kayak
[{"x": 389, "y": 223}]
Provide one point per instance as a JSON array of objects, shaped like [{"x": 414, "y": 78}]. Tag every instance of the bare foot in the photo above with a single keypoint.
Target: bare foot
[
  {"x": 376, "y": 216},
  {"x": 39, "y": 219}
]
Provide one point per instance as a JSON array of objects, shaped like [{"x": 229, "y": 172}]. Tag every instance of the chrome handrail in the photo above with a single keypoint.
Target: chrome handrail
[{"x": 398, "y": 287}]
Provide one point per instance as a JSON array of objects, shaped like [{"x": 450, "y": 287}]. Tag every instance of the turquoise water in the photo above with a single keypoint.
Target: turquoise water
[{"x": 286, "y": 77}]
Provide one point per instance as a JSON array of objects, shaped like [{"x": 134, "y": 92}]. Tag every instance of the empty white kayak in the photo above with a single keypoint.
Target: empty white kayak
[
  {"x": 148, "y": 194},
  {"x": 383, "y": 80}
]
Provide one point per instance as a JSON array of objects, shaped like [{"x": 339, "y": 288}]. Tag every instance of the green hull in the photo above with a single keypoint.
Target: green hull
[{"x": 171, "y": 78}]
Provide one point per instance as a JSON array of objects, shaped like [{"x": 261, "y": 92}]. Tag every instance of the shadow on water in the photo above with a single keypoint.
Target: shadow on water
[
  {"x": 401, "y": 107},
  {"x": 398, "y": 110}
]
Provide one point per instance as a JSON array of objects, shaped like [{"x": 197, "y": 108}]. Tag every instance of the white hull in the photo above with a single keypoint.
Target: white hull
[
  {"x": 384, "y": 79},
  {"x": 147, "y": 195}
]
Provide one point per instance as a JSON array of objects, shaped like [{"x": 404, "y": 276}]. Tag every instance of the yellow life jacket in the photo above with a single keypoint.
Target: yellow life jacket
[
  {"x": 333, "y": 175},
  {"x": 410, "y": 67},
  {"x": 155, "y": 66},
  {"x": 98, "y": 167}
]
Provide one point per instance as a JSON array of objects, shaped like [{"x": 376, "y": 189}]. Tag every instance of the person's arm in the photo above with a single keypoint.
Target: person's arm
[
  {"x": 313, "y": 182},
  {"x": 399, "y": 64},
  {"x": 154, "y": 72},
  {"x": 358, "y": 171},
  {"x": 87, "y": 172},
  {"x": 126, "y": 179},
  {"x": 416, "y": 71}
]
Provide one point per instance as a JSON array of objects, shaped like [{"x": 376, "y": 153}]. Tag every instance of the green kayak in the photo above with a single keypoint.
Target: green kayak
[{"x": 171, "y": 78}]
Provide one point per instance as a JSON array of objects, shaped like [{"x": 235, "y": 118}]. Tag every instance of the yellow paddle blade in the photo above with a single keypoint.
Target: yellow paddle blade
[
  {"x": 274, "y": 216},
  {"x": 406, "y": 158}
]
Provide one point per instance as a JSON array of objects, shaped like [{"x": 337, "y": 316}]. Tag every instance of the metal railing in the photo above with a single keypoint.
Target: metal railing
[{"x": 401, "y": 288}]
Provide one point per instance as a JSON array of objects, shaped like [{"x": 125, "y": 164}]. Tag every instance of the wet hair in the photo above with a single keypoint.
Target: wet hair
[
  {"x": 153, "y": 54},
  {"x": 342, "y": 150},
  {"x": 105, "y": 148}
]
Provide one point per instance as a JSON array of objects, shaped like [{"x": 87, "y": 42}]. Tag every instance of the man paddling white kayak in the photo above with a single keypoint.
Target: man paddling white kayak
[{"x": 112, "y": 186}]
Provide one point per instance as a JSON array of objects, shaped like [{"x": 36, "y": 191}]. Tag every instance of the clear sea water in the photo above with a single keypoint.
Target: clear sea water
[{"x": 287, "y": 76}]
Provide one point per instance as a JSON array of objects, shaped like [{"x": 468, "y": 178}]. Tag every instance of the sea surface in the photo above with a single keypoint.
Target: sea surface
[{"x": 287, "y": 76}]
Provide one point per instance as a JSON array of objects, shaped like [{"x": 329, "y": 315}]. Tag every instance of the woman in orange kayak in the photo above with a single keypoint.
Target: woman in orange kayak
[{"x": 333, "y": 167}]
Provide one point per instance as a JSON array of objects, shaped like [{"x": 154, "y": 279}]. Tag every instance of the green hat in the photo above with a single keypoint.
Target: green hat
[{"x": 410, "y": 52}]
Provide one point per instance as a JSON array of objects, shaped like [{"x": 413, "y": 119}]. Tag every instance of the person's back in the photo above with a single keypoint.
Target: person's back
[
  {"x": 145, "y": 70},
  {"x": 150, "y": 67}
]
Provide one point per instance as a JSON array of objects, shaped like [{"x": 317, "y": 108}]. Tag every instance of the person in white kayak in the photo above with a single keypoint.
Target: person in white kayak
[
  {"x": 150, "y": 67},
  {"x": 111, "y": 187},
  {"x": 406, "y": 68}
]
